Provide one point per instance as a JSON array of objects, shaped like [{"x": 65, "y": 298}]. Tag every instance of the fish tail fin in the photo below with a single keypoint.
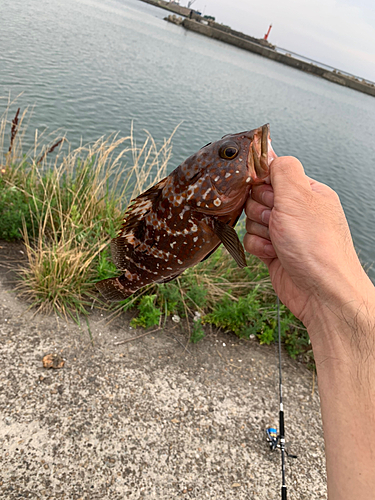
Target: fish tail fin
[{"x": 114, "y": 289}]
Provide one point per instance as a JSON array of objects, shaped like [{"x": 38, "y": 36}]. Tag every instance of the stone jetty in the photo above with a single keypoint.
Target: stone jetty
[{"x": 205, "y": 26}]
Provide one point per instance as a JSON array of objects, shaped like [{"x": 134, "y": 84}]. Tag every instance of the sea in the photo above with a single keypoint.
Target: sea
[{"x": 92, "y": 68}]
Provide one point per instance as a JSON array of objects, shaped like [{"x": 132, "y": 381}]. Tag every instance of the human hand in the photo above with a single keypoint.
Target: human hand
[{"x": 298, "y": 228}]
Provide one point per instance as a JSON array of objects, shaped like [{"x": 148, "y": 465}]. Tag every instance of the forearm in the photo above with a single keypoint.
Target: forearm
[{"x": 343, "y": 340}]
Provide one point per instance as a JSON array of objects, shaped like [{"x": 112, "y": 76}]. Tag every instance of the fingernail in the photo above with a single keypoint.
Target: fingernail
[
  {"x": 269, "y": 250},
  {"x": 266, "y": 214},
  {"x": 268, "y": 198}
]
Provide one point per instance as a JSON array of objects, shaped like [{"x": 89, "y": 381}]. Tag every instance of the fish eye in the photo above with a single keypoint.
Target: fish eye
[{"x": 228, "y": 152}]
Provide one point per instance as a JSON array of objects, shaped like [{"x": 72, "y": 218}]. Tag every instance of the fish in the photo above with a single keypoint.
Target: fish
[{"x": 185, "y": 217}]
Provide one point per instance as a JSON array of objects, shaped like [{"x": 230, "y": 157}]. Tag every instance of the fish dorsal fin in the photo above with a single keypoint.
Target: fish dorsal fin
[{"x": 230, "y": 240}]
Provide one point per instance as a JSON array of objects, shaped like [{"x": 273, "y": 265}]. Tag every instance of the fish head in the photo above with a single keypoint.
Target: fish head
[
  {"x": 249, "y": 152},
  {"x": 220, "y": 174}
]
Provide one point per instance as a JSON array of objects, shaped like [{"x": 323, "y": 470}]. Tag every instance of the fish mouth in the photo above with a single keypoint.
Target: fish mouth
[{"x": 261, "y": 155}]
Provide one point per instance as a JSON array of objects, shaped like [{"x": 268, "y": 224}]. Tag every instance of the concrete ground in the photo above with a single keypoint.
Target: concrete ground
[{"x": 153, "y": 418}]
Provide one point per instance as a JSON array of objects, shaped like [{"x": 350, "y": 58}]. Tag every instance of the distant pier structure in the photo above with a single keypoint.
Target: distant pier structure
[{"x": 207, "y": 26}]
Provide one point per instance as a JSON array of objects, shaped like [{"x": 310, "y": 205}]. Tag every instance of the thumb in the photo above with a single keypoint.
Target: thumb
[{"x": 287, "y": 174}]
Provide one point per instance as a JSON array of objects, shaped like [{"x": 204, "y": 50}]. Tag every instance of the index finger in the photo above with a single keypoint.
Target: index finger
[{"x": 263, "y": 193}]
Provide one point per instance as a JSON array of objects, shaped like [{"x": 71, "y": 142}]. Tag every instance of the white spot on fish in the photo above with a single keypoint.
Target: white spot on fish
[
  {"x": 217, "y": 178},
  {"x": 179, "y": 261},
  {"x": 248, "y": 179},
  {"x": 190, "y": 191},
  {"x": 164, "y": 226},
  {"x": 227, "y": 175},
  {"x": 169, "y": 269},
  {"x": 217, "y": 202},
  {"x": 237, "y": 171},
  {"x": 194, "y": 228},
  {"x": 185, "y": 209},
  {"x": 195, "y": 239},
  {"x": 206, "y": 193},
  {"x": 173, "y": 243},
  {"x": 198, "y": 203}
]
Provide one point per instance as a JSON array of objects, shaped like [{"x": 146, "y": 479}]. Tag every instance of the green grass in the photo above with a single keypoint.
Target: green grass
[
  {"x": 66, "y": 205},
  {"x": 149, "y": 315}
]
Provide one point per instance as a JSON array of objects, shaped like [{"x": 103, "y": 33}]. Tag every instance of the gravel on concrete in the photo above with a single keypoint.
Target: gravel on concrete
[{"x": 154, "y": 418}]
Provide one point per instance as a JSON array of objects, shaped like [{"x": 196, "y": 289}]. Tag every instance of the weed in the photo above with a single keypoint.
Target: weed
[
  {"x": 196, "y": 295},
  {"x": 14, "y": 209},
  {"x": 197, "y": 332},
  {"x": 149, "y": 315},
  {"x": 267, "y": 333},
  {"x": 293, "y": 334},
  {"x": 169, "y": 298},
  {"x": 105, "y": 267},
  {"x": 242, "y": 316}
]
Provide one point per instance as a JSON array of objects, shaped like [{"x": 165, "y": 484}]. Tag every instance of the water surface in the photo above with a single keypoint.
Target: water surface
[{"x": 93, "y": 67}]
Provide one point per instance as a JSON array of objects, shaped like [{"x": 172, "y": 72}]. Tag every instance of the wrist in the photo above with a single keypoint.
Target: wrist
[{"x": 341, "y": 323}]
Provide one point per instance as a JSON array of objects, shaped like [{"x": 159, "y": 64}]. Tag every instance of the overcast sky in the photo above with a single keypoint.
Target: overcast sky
[{"x": 340, "y": 33}]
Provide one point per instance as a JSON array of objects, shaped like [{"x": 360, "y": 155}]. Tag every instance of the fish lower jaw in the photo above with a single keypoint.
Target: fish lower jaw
[{"x": 259, "y": 161}]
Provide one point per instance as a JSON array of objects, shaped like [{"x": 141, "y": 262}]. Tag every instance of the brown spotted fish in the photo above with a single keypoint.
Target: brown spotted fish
[{"x": 184, "y": 218}]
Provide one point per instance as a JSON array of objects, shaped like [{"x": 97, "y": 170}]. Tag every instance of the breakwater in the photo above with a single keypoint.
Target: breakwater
[
  {"x": 246, "y": 44},
  {"x": 225, "y": 34},
  {"x": 173, "y": 7}
]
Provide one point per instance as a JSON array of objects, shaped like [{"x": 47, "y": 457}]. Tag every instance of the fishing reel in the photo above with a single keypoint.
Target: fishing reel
[{"x": 274, "y": 440}]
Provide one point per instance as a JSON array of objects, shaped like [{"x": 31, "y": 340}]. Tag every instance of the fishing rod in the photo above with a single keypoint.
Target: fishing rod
[{"x": 278, "y": 440}]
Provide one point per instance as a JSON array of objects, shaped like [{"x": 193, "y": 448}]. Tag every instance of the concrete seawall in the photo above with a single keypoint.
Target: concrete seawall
[
  {"x": 242, "y": 43},
  {"x": 172, "y": 7},
  {"x": 227, "y": 35}
]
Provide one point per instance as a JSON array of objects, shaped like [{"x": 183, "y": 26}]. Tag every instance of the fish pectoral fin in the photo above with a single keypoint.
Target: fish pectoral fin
[
  {"x": 112, "y": 289},
  {"x": 230, "y": 240}
]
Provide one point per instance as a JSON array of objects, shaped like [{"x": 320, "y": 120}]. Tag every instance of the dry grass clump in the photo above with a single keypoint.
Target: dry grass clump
[
  {"x": 71, "y": 205},
  {"x": 60, "y": 273}
]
